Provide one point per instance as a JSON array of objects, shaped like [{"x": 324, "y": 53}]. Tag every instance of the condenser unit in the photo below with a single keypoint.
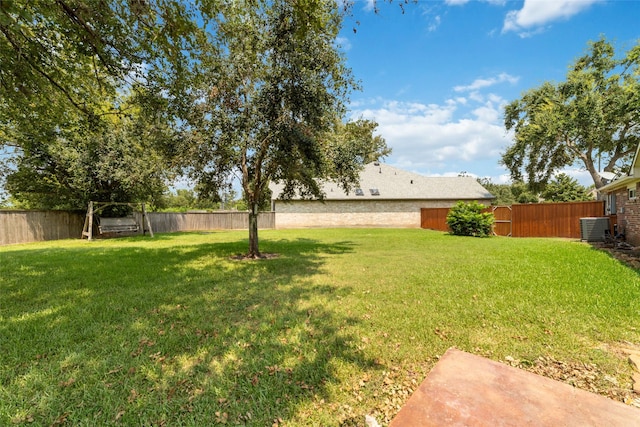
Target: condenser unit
[{"x": 592, "y": 229}]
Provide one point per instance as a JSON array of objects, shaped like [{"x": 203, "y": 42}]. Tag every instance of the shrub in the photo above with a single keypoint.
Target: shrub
[{"x": 467, "y": 219}]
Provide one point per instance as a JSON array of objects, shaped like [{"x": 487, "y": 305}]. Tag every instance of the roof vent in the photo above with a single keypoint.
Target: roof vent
[
  {"x": 376, "y": 163},
  {"x": 412, "y": 181},
  {"x": 359, "y": 192},
  {"x": 374, "y": 191}
]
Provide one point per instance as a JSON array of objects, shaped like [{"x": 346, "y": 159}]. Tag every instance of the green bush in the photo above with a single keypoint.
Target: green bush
[{"x": 467, "y": 219}]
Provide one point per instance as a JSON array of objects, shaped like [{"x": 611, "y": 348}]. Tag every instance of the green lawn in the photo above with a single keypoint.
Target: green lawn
[{"x": 173, "y": 331}]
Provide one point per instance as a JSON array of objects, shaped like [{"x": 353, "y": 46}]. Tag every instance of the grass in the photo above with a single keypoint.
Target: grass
[{"x": 173, "y": 331}]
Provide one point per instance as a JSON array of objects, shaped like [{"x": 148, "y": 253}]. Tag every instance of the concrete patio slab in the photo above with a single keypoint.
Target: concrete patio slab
[{"x": 468, "y": 390}]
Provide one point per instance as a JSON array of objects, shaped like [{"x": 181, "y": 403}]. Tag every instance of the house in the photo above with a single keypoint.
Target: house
[
  {"x": 621, "y": 202},
  {"x": 385, "y": 197}
]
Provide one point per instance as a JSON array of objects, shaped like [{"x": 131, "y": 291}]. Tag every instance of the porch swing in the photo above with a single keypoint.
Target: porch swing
[{"x": 111, "y": 226}]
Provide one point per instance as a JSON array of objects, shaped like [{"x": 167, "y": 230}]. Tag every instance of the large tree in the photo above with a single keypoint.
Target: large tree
[
  {"x": 119, "y": 158},
  {"x": 272, "y": 95},
  {"x": 64, "y": 68},
  {"x": 591, "y": 119}
]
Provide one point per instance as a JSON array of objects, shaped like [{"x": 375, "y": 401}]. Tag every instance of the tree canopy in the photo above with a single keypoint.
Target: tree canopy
[
  {"x": 67, "y": 54},
  {"x": 508, "y": 194},
  {"x": 591, "y": 118},
  {"x": 272, "y": 94},
  {"x": 116, "y": 159},
  {"x": 563, "y": 188},
  {"x": 77, "y": 81}
]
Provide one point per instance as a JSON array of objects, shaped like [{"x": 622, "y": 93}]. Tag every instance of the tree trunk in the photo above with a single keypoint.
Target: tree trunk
[{"x": 254, "y": 250}]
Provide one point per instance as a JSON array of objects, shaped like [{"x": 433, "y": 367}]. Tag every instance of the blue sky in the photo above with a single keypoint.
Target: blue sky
[{"x": 437, "y": 77}]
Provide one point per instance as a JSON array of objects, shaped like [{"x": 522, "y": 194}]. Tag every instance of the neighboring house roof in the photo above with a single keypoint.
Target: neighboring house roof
[
  {"x": 631, "y": 178},
  {"x": 397, "y": 184}
]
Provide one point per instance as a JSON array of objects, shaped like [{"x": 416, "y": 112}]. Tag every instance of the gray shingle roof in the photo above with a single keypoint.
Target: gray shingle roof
[{"x": 397, "y": 184}]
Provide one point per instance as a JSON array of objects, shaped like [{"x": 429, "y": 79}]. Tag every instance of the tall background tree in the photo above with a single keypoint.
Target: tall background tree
[
  {"x": 65, "y": 66},
  {"x": 117, "y": 158},
  {"x": 563, "y": 188},
  {"x": 591, "y": 119},
  {"x": 508, "y": 194}
]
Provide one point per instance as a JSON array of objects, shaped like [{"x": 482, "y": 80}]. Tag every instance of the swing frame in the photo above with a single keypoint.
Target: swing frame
[{"x": 116, "y": 227}]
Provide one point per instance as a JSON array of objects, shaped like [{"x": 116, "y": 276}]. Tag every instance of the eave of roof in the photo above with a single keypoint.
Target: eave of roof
[{"x": 619, "y": 183}]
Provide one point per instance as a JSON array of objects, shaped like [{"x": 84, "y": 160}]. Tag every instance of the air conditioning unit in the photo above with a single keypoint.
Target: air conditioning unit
[{"x": 592, "y": 229}]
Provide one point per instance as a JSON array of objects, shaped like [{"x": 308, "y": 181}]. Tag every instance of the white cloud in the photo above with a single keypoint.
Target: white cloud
[
  {"x": 343, "y": 43},
  {"x": 428, "y": 138},
  {"x": 535, "y": 14},
  {"x": 579, "y": 174},
  {"x": 487, "y": 114},
  {"x": 434, "y": 24},
  {"x": 369, "y": 5},
  {"x": 462, "y": 133},
  {"x": 487, "y": 82}
]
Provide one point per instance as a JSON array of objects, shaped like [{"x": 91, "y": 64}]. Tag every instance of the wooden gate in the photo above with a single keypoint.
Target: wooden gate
[{"x": 502, "y": 220}]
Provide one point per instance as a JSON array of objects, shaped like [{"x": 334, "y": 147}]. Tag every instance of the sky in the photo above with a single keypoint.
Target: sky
[{"x": 437, "y": 77}]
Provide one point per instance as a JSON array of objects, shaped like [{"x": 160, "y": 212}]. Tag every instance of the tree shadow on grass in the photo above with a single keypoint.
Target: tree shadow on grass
[{"x": 181, "y": 335}]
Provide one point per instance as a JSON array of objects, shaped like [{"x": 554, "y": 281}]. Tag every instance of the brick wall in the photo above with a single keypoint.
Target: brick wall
[
  {"x": 349, "y": 213},
  {"x": 352, "y": 219},
  {"x": 628, "y": 215}
]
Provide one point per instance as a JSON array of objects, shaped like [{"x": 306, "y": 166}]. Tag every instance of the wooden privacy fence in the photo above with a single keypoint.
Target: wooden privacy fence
[
  {"x": 167, "y": 222},
  {"x": 527, "y": 220},
  {"x": 21, "y": 226}
]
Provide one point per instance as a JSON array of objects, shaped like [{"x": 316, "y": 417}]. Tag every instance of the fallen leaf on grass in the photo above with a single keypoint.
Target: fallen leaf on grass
[
  {"x": 141, "y": 345},
  {"x": 222, "y": 417},
  {"x": 175, "y": 388},
  {"x": 61, "y": 419},
  {"x": 272, "y": 370},
  {"x": 67, "y": 383},
  {"x": 255, "y": 380},
  {"x": 442, "y": 334},
  {"x": 24, "y": 419}
]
